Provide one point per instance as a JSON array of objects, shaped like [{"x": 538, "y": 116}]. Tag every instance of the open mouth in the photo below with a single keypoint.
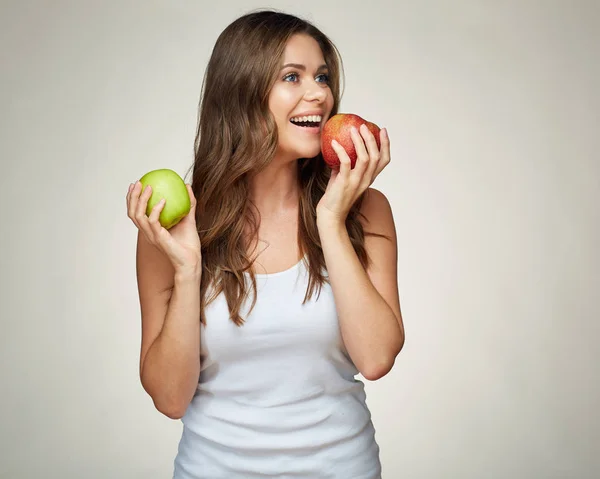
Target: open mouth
[
  {"x": 310, "y": 123},
  {"x": 306, "y": 124}
]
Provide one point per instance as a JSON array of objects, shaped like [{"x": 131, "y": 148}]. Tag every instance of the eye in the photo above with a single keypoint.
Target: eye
[
  {"x": 290, "y": 75},
  {"x": 293, "y": 77},
  {"x": 324, "y": 76}
]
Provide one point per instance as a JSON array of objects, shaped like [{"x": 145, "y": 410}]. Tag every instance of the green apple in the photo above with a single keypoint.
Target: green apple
[{"x": 167, "y": 184}]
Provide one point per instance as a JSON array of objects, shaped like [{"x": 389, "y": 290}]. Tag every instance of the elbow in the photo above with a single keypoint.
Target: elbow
[
  {"x": 169, "y": 405},
  {"x": 173, "y": 411},
  {"x": 174, "y": 414},
  {"x": 378, "y": 369}
]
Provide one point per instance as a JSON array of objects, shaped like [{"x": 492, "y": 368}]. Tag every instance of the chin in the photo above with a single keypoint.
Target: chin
[
  {"x": 294, "y": 154},
  {"x": 309, "y": 150},
  {"x": 309, "y": 154}
]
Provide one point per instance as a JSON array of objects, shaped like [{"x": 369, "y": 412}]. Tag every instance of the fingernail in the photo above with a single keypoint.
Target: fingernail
[
  {"x": 334, "y": 143},
  {"x": 384, "y": 132},
  {"x": 130, "y": 187}
]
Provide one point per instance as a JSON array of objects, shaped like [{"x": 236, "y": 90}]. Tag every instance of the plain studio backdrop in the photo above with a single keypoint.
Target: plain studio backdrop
[{"x": 493, "y": 114}]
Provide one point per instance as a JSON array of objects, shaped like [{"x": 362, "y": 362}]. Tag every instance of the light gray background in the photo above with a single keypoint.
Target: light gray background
[{"x": 493, "y": 113}]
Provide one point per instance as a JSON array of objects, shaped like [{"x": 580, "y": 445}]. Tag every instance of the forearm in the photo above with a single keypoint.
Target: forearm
[
  {"x": 172, "y": 365},
  {"x": 369, "y": 327}
]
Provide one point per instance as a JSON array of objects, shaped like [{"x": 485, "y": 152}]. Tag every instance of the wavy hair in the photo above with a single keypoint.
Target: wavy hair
[{"x": 236, "y": 138}]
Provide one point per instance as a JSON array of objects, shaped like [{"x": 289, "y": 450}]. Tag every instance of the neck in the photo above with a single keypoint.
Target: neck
[{"x": 275, "y": 190}]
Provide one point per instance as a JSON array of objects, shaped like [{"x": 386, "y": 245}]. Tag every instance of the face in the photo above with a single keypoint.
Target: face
[{"x": 301, "y": 100}]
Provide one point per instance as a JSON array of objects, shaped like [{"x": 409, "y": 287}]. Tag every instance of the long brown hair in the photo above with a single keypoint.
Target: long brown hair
[{"x": 236, "y": 138}]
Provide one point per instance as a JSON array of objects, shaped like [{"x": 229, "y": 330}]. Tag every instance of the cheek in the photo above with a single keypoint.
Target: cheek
[
  {"x": 282, "y": 102},
  {"x": 329, "y": 101}
]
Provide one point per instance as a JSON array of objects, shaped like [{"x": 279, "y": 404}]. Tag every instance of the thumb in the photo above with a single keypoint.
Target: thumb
[{"x": 193, "y": 201}]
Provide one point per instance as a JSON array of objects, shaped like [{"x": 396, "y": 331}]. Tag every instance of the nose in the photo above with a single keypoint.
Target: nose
[{"x": 316, "y": 92}]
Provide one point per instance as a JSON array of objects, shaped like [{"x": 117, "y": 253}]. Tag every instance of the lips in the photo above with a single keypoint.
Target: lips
[
  {"x": 314, "y": 115},
  {"x": 307, "y": 124},
  {"x": 311, "y": 122},
  {"x": 309, "y": 129}
]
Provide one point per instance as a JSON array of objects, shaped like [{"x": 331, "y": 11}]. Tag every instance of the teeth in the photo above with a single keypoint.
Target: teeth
[{"x": 312, "y": 118}]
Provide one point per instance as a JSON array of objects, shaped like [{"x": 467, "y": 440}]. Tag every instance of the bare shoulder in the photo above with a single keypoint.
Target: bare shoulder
[{"x": 377, "y": 214}]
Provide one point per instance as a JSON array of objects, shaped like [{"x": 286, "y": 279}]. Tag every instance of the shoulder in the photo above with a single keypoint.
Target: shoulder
[{"x": 376, "y": 213}]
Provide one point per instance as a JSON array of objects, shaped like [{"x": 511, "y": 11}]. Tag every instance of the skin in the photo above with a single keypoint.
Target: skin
[
  {"x": 168, "y": 263},
  {"x": 275, "y": 190},
  {"x": 372, "y": 328}
]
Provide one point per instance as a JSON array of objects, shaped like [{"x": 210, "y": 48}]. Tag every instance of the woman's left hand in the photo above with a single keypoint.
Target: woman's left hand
[{"x": 347, "y": 184}]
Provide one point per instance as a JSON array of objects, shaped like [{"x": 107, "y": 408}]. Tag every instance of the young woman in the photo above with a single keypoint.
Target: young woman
[{"x": 262, "y": 305}]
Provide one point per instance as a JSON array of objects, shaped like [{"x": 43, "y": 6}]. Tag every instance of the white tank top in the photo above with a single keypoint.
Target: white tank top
[{"x": 277, "y": 397}]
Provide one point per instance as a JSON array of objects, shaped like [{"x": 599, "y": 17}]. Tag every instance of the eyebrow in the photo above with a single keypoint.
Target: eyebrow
[{"x": 299, "y": 66}]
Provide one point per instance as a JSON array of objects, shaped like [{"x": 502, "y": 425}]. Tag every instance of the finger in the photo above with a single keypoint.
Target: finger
[
  {"x": 128, "y": 195},
  {"x": 345, "y": 163},
  {"x": 190, "y": 217},
  {"x": 133, "y": 202},
  {"x": 193, "y": 200},
  {"x": 142, "y": 205},
  {"x": 159, "y": 235},
  {"x": 370, "y": 142},
  {"x": 153, "y": 219},
  {"x": 362, "y": 155},
  {"x": 385, "y": 152},
  {"x": 373, "y": 149}
]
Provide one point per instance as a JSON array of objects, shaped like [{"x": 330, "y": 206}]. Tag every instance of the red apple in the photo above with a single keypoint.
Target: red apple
[{"x": 338, "y": 128}]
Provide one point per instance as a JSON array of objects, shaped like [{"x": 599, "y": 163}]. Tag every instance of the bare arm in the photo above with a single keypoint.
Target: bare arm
[
  {"x": 170, "y": 351},
  {"x": 169, "y": 266},
  {"x": 367, "y": 301}
]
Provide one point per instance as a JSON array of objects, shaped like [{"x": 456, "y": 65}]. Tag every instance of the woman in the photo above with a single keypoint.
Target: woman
[{"x": 264, "y": 302}]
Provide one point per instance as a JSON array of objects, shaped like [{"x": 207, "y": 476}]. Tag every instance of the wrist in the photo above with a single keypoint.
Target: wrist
[
  {"x": 186, "y": 274},
  {"x": 331, "y": 224},
  {"x": 326, "y": 219}
]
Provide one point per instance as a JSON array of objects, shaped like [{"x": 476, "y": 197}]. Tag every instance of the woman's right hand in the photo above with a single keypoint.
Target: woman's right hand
[{"x": 180, "y": 243}]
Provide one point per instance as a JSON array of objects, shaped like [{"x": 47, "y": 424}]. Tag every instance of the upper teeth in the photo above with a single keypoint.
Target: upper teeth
[{"x": 312, "y": 118}]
